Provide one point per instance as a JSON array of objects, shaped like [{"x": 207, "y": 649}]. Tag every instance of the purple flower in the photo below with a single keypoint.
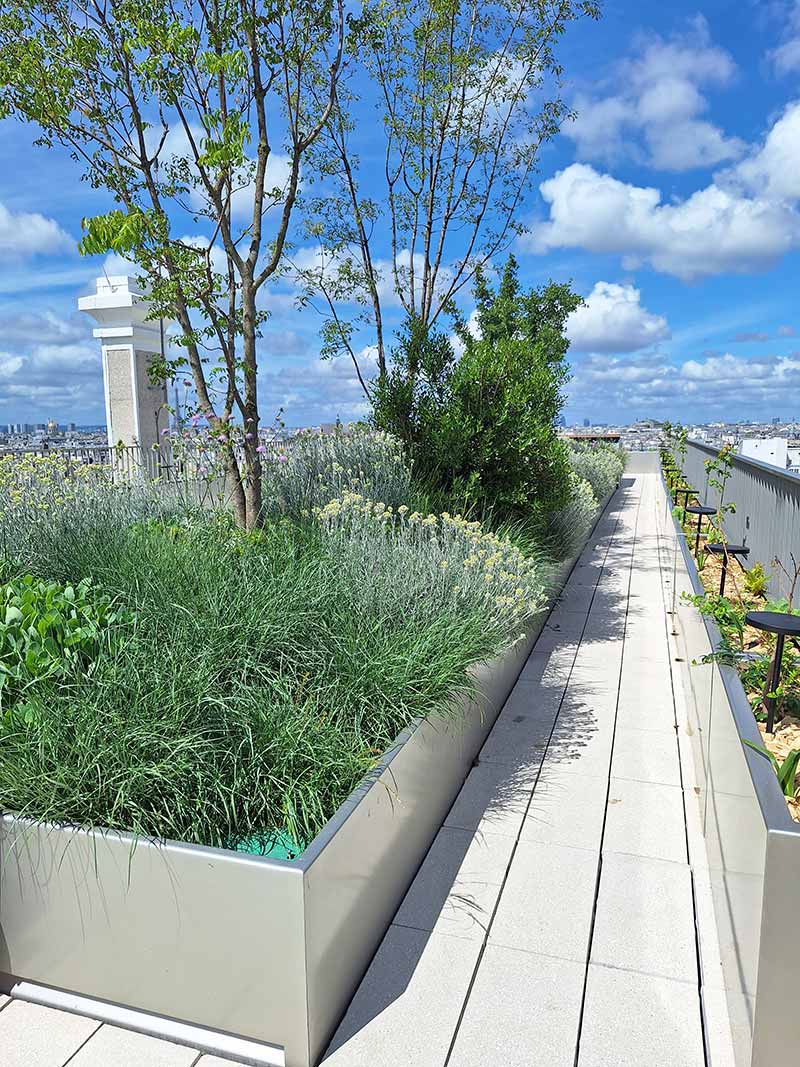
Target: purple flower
[
  {"x": 282, "y": 457},
  {"x": 261, "y": 449},
  {"x": 248, "y": 437},
  {"x": 165, "y": 433}
]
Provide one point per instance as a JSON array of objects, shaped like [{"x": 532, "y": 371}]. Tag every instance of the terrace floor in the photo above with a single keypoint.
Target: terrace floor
[{"x": 562, "y": 916}]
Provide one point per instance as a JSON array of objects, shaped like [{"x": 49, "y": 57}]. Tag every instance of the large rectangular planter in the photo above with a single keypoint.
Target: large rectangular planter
[
  {"x": 264, "y": 954},
  {"x": 752, "y": 843}
]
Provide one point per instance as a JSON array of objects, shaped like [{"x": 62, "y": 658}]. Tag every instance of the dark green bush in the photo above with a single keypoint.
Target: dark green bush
[{"x": 482, "y": 428}]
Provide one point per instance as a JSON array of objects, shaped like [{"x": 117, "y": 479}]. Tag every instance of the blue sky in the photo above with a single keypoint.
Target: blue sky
[{"x": 672, "y": 204}]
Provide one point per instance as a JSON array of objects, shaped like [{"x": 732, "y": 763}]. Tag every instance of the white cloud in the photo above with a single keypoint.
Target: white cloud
[
  {"x": 633, "y": 386},
  {"x": 772, "y": 170},
  {"x": 656, "y": 116},
  {"x": 24, "y": 234},
  {"x": 786, "y": 57},
  {"x": 613, "y": 320},
  {"x": 744, "y": 221}
]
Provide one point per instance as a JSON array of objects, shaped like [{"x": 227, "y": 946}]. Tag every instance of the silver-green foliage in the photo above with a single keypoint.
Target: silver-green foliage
[
  {"x": 568, "y": 526},
  {"x": 450, "y": 563},
  {"x": 600, "y": 464},
  {"x": 314, "y": 468}
]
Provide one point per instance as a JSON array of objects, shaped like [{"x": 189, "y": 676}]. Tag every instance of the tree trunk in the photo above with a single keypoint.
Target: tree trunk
[{"x": 253, "y": 472}]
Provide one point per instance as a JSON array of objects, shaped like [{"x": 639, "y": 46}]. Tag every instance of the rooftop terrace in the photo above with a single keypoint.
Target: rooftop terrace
[{"x": 562, "y": 915}]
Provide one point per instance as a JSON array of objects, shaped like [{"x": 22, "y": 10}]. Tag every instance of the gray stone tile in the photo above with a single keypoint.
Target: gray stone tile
[
  {"x": 546, "y": 903},
  {"x": 639, "y": 1020},
  {"x": 405, "y": 1011},
  {"x": 520, "y": 734},
  {"x": 568, "y": 808},
  {"x": 523, "y": 1010},
  {"x": 644, "y": 920},
  {"x": 457, "y": 886},
  {"x": 35, "y": 1036},
  {"x": 645, "y": 819},
  {"x": 647, "y": 708},
  {"x": 494, "y": 798},
  {"x": 112, "y": 1046},
  {"x": 645, "y": 756},
  {"x": 581, "y": 743}
]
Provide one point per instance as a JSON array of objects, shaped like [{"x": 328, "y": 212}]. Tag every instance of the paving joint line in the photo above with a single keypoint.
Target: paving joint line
[
  {"x": 582, "y": 1008},
  {"x": 518, "y": 835}
]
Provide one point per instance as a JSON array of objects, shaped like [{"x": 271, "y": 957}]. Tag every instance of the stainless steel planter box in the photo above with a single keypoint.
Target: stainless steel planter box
[
  {"x": 752, "y": 843},
  {"x": 267, "y": 950}
]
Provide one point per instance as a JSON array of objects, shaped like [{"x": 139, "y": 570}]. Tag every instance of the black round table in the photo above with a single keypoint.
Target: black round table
[
  {"x": 726, "y": 551},
  {"x": 784, "y": 625},
  {"x": 699, "y": 510}
]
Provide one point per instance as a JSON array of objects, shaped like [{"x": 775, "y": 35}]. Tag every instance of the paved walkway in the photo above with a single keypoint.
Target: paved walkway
[{"x": 557, "y": 919}]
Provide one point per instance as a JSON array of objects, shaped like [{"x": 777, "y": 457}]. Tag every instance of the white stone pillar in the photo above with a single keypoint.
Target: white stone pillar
[{"x": 136, "y": 410}]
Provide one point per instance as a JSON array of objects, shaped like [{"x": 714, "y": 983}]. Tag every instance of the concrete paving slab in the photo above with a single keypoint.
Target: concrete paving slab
[
  {"x": 494, "y": 798},
  {"x": 643, "y": 757},
  {"x": 35, "y": 1036},
  {"x": 580, "y": 743},
  {"x": 458, "y": 884},
  {"x": 568, "y": 808},
  {"x": 546, "y": 903},
  {"x": 405, "y": 1011},
  {"x": 644, "y": 919},
  {"x": 638, "y": 1020},
  {"x": 112, "y": 1046},
  {"x": 645, "y": 819},
  {"x": 538, "y": 1024}
]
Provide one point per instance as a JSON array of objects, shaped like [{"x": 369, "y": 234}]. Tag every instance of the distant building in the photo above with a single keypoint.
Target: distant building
[
  {"x": 586, "y": 422},
  {"x": 774, "y": 450}
]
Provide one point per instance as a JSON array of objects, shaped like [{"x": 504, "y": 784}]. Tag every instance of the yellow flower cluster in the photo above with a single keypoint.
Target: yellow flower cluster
[
  {"x": 456, "y": 554},
  {"x": 44, "y": 481}
]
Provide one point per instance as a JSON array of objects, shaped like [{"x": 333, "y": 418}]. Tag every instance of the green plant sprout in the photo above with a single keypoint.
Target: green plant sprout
[
  {"x": 756, "y": 580},
  {"x": 786, "y": 770},
  {"x": 718, "y": 471}
]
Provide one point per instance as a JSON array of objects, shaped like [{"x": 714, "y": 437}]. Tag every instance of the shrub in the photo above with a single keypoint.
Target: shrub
[
  {"x": 445, "y": 558},
  {"x": 600, "y": 464},
  {"x": 313, "y": 468},
  {"x": 483, "y": 427}
]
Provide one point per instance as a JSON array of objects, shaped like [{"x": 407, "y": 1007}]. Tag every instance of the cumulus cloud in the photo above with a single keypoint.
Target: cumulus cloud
[
  {"x": 744, "y": 221},
  {"x": 715, "y": 230},
  {"x": 613, "y": 320},
  {"x": 633, "y": 386},
  {"x": 319, "y": 390},
  {"x": 64, "y": 380},
  {"x": 656, "y": 116},
  {"x": 24, "y": 234},
  {"x": 46, "y": 328},
  {"x": 785, "y": 58}
]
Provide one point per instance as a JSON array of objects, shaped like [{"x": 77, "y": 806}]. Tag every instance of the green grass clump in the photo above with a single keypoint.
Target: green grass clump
[{"x": 257, "y": 678}]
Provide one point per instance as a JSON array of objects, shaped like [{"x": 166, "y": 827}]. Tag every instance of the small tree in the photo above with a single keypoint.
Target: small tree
[
  {"x": 186, "y": 111},
  {"x": 483, "y": 427},
  {"x": 467, "y": 94}
]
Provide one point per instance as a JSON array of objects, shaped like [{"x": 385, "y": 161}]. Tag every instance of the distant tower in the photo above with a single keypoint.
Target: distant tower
[
  {"x": 52, "y": 426},
  {"x": 136, "y": 411}
]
